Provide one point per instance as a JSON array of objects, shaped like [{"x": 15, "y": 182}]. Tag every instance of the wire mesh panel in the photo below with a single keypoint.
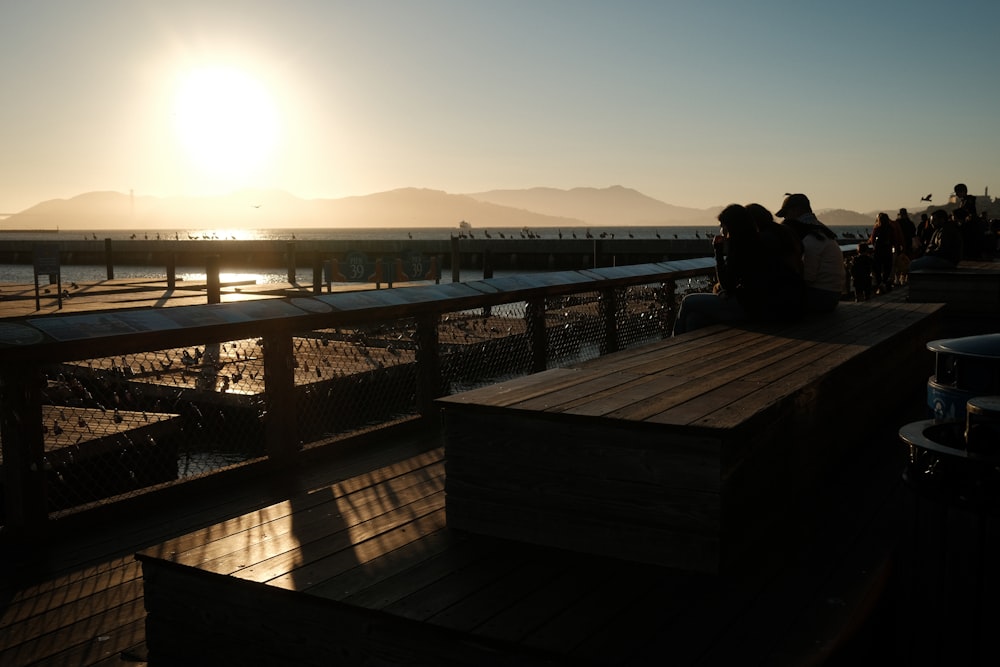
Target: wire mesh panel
[
  {"x": 349, "y": 381},
  {"x": 483, "y": 345},
  {"x": 575, "y": 327},
  {"x": 645, "y": 313},
  {"x": 117, "y": 424}
]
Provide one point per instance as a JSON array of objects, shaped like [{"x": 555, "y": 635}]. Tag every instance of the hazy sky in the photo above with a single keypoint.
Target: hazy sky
[{"x": 862, "y": 104}]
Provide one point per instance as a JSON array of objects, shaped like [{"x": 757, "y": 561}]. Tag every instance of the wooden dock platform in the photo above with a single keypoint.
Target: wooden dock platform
[
  {"x": 684, "y": 452},
  {"x": 380, "y": 571},
  {"x": 18, "y": 300},
  {"x": 350, "y": 532},
  {"x": 367, "y": 572}
]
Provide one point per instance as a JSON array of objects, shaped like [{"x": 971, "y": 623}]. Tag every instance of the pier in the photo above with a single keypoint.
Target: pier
[
  {"x": 353, "y": 533},
  {"x": 514, "y": 254}
]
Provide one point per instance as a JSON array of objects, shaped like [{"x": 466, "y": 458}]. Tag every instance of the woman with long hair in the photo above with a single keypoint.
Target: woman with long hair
[
  {"x": 882, "y": 242},
  {"x": 745, "y": 269}
]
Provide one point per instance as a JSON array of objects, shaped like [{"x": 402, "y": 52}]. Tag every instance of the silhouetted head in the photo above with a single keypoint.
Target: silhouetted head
[
  {"x": 794, "y": 206},
  {"x": 761, "y": 216},
  {"x": 961, "y": 190},
  {"x": 737, "y": 223}
]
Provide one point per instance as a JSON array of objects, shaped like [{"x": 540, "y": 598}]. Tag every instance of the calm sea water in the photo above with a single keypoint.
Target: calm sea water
[{"x": 21, "y": 274}]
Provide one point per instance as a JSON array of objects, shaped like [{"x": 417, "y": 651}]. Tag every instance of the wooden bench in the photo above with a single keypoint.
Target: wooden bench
[
  {"x": 971, "y": 289},
  {"x": 687, "y": 452}
]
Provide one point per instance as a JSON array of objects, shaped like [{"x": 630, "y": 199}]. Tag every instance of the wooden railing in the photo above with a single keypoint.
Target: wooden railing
[{"x": 31, "y": 348}]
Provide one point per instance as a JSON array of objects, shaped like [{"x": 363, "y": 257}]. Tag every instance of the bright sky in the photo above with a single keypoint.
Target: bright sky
[{"x": 862, "y": 104}]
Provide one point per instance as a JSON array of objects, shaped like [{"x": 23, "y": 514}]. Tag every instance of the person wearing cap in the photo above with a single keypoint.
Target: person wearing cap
[{"x": 822, "y": 260}]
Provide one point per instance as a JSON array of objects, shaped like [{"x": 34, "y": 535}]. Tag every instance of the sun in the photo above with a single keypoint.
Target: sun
[{"x": 226, "y": 122}]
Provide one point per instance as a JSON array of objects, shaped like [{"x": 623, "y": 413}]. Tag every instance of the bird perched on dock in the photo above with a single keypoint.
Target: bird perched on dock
[{"x": 925, "y": 198}]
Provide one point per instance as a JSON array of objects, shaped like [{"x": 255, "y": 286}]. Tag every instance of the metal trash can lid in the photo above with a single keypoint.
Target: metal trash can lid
[
  {"x": 986, "y": 346},
  {"x": 984, "y": 405}
]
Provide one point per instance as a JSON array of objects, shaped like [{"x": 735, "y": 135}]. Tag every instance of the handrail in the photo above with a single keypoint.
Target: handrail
[
  {"x": 64, "y": 337},
  {"x": 29, "y": 345}
]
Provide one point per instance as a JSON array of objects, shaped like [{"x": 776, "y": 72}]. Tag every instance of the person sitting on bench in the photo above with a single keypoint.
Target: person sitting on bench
[{"x": 945, "y": 247}]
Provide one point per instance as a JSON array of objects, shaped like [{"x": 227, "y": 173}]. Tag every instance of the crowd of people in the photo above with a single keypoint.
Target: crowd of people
[{"x": 780, "y": 271}]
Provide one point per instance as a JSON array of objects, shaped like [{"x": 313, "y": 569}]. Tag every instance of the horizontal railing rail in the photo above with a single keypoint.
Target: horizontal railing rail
[{"x": 103, "y": 405}]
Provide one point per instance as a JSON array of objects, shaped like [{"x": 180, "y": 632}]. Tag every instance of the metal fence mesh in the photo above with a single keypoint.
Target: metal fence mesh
[
  {"x": 348, "y": 381},
  {"x": 484, "y": 345}
]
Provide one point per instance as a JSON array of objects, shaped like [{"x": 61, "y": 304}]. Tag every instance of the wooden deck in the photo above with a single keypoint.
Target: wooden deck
[
  {"x": 76, "y": 598},
  {"x": 18, "y": 300},
  {"x": 367, "y": 572},
  {"x": 971, "y": 289},
  {"x": 684, "y": 452},
  {"x": 834, "y": 599},
  {"x": 357, "y": 555},
  {"x": 377, "y": 570}
]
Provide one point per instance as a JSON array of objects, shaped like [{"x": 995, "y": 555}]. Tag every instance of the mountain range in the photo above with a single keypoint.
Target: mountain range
[{"x": 614, "y": 206}]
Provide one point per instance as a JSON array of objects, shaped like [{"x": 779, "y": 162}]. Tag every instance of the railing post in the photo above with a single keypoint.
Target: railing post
[
  {"x": 317, "y": 286},
  {"x": 25, "y": 501},
  {"x": 487, "y": 264},
  {"x": 609, "y": 313},
  {"x": 430, "y": 384},
  {"x": 455, "y": 261},
  {"x": 108, "y": 259},
  {"x": 534, "y": 314},
  {"x": 171, "y": 270},
  {"x": 281, "y": 435},
  {"x": 213, "y": 283},
  {"x": 290, "y": 257},
  {"x": 670, "y": 305}
]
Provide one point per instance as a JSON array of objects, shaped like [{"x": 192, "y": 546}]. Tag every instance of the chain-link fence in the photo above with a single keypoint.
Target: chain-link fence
[{"x": 118, "y": 425}]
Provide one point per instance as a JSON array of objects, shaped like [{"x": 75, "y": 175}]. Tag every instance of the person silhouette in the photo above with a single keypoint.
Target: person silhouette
[{"x": 822, "y": 260}]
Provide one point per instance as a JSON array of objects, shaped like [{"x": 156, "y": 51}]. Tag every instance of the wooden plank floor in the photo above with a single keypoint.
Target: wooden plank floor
[
  {"x": 18, "y": 300},
  {"x": 75, "y": 597},
  {"x": 379, "y": 544},
  {"x": 78, "y": 600},
  {"x": 684, "y": 452}
]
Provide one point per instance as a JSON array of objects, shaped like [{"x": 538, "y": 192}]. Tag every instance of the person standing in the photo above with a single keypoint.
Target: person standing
[
  {"x": 924, "y": 233},
  {"x": 822, "y": 259},
  {"x": 965, "y": 201},
  {"x": 909, "y": 230},
  {"x": 882, "y": 241},
  {"x": 861, "y": 273}
]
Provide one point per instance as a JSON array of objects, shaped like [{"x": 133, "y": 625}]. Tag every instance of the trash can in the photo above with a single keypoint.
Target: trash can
[
  {"x": 964, "y": 368},
  {"x": 948, "y": 587}
]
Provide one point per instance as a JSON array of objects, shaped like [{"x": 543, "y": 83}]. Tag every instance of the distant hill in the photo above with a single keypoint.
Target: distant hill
[
  {"x": 614, "y": 206},
  {"x": 405, "y": 207},
  {"x": 408, "y": 207},
  {"x": 838, "y": 217},
  {"x": 411, "y": 207}
]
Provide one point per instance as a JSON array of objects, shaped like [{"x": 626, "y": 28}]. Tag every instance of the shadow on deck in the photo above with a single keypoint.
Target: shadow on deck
[{"x": 366, "y": 572}]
